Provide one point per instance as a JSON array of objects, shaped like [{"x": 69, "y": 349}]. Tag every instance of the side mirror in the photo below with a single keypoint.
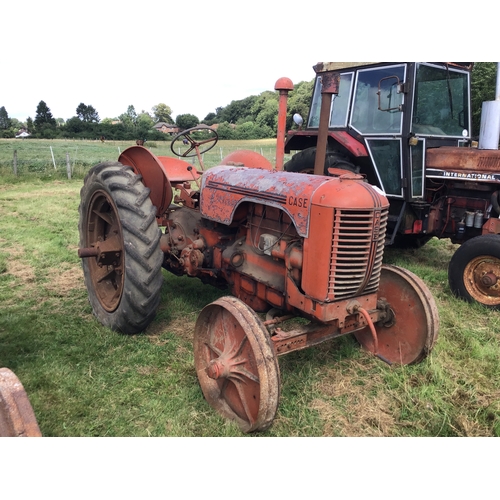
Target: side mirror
[{"x": 389, "y": 90}]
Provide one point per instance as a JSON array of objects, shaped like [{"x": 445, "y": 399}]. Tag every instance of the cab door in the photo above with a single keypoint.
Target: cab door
[{"x": 377, "y": 114}]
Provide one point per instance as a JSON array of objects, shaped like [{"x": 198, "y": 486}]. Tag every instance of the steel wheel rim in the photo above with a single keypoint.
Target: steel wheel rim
[
  {"x": 476, "y": 273},
  {"x": 106, "y": 273},
  {"x": 236, "y": 365},
  {"x": 16, "y": 413},
  {"x": 412, "y": 335}
]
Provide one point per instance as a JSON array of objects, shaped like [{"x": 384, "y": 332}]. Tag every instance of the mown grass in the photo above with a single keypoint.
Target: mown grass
[{"x": 84, "y": 380}]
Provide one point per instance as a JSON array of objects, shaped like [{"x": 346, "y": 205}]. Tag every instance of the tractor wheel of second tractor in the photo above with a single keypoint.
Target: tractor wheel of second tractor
[
  {"x": 303, "y": 162},
  {"x": 120, "y": 240},
  {"x": 474, "y": 271}
]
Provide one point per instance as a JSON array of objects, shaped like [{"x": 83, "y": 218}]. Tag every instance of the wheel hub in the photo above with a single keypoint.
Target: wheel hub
[
  {"x": 224, "y": 367},
  {"x": 104, "y": 250},
  {"x": 489, "y": 279},
  {"x": 481, "y": 279}
]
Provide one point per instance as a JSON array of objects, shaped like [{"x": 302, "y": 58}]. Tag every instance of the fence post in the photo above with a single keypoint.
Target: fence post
[
  {"x": 68, "y": 166},
  {"x": 14, "y": 162},
  {"x": 53, "y": 161},
  {"x": 74, "y": 159}
]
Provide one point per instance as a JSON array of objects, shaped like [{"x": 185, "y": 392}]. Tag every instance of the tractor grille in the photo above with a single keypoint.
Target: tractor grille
[{"x": 357, "y": 252}]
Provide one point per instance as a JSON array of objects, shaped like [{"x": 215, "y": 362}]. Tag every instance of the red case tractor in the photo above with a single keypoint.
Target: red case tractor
[{"x": 284, "y": 244}]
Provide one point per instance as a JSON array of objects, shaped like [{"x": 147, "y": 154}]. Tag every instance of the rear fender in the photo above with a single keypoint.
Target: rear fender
[{"x": 158, "y": 173}]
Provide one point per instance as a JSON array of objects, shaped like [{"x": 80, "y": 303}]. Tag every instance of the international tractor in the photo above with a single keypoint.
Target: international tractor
[
  {"x": 285, "y": 245},
  {"x": 406, "y": 127}
]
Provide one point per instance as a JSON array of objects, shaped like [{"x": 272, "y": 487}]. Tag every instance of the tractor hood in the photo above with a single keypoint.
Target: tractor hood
[{"x": 224, "y": 188}]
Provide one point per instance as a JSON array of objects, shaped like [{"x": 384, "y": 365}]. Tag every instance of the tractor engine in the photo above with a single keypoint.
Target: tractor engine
[{"x": 294, "y": 242}]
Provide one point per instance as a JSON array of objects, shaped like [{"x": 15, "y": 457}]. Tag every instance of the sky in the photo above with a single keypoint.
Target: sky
[{"x": 198, "y": 55}]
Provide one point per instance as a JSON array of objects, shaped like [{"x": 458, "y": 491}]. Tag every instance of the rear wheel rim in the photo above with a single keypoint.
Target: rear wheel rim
[
  {"x": 107, "y": 270},
  {"x": 480, "y": 279}
]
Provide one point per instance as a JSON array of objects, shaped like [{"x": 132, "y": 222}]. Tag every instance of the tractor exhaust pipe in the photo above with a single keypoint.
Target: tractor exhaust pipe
[
  {"x": 489, "y": 133},
  {"x": 283, "y": 85},
  {"x": 330, "y": 83}
]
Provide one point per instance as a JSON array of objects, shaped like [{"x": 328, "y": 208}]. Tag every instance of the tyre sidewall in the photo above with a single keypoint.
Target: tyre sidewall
[{"x": 128, "y": 317}]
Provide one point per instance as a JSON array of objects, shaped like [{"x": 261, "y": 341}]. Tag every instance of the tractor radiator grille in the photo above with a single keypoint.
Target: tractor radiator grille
[{"x": 357, "y": 252}]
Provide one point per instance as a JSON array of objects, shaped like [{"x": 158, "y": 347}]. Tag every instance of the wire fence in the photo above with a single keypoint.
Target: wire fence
[{"x": 75, "y": 158}]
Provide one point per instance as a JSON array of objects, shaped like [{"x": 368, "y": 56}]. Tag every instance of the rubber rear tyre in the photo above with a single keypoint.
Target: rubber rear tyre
[
  {"x": 473, "y": 271},
  {"x": 303, "y": 162},
  {"x": 115, "y": 204}
]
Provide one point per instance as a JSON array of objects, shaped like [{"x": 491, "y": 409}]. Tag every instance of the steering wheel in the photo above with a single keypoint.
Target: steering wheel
[{"x": 192, "y": 144}]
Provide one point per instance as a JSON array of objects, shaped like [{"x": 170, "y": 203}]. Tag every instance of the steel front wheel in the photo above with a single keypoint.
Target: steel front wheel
[
  {"x": 120, "y": 248},
  {"x": 410, "y": 331},
  {"x": 474, "y": 271},
  {"x": 236, "y": 364}
]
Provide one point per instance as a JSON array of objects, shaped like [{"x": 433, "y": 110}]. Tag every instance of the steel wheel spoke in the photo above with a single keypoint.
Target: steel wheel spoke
[
  {"x": 105, "y": 216},
  {"x": 244, "y": 402}
]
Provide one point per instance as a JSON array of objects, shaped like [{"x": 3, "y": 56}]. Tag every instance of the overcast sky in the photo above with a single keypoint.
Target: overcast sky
[{"x": 196, "y": 56}]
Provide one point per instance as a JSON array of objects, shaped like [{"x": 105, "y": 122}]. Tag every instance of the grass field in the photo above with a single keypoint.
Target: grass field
[
  {"x": 84, "y": 380},
  {"x": 49, "y": 159}
]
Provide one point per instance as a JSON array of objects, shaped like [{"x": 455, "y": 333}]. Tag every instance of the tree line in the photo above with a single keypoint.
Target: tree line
[{"x": 254, "y": 117}]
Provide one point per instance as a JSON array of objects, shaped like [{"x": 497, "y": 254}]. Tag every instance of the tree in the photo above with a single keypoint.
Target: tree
[
  {"x": 29, "y": 124},
  {"x": 129, "y": 118},
  {"x": 265, "y": 110},
  {"x": 144, "y": 125},
  {"x": 74, "y": 125},
  {"x": 482, "y": 89},
  {"x": 186, "y": 121},
  {"x": 43, "y": 117},
  {"x": 87, "y": 113},
  {"x": 225, "y": 131},
  {"x": 210, "y": 119},
  {"x": 5, "y": 121},
  {"x": 162, "y": 113},
  {"x": 299, "y": 101},
  {"x": 237, "y": 110}
]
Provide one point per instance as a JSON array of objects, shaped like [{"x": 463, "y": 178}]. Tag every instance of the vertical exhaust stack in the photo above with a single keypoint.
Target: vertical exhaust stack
[
  {"x": 489, "y": 134},
  {"x": 283, "y": 85},
  {"x": 330, "y": 83}
]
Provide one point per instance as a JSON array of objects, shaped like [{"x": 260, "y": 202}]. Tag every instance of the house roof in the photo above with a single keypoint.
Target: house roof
[{"x": 162, "y": 124}]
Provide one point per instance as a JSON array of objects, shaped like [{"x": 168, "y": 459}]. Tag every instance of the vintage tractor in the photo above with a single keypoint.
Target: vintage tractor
[
  {"x": 286, "y": 245},
  {"x": 407, "y": 128}
]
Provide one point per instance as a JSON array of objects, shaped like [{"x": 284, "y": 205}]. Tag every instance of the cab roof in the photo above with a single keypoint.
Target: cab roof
[{"x": 322, "y": 67}]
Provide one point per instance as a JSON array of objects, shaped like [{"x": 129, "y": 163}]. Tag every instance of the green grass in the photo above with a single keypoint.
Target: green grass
[{"x": 84, "y": 380}]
